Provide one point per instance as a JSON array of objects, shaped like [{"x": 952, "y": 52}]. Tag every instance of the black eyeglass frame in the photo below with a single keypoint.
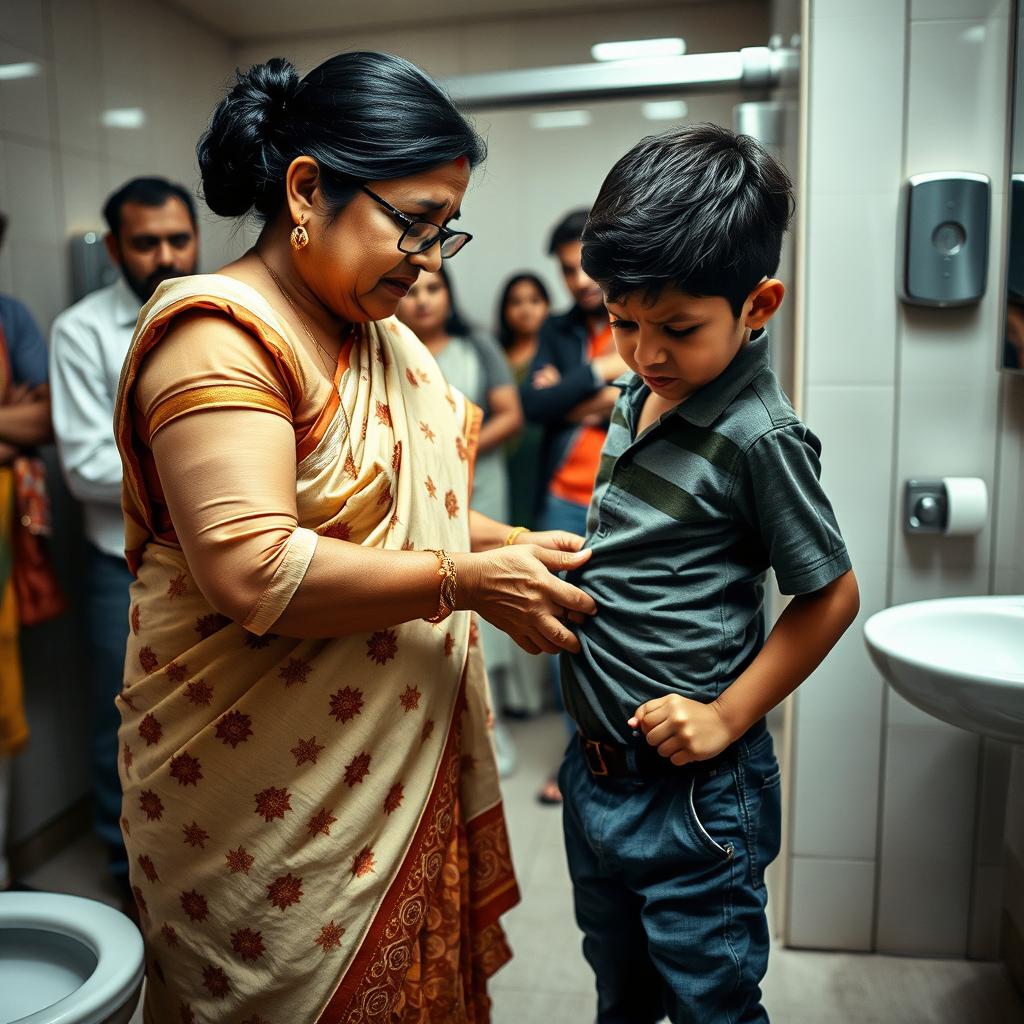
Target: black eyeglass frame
[{"x": 441, "y": 234}]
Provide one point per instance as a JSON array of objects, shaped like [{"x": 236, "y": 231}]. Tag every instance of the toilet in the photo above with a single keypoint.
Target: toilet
[{"x": 66, "y": 960}]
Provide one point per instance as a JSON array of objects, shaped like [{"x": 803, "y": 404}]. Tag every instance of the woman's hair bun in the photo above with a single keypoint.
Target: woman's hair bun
[{"x": 236, "y": 153}]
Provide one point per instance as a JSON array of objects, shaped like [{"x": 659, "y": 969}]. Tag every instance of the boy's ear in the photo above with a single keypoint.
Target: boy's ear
[{"x": 763, "y": 303}]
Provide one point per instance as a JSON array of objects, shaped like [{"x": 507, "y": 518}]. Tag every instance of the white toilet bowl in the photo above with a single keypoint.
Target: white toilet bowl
[{"x": 66, "y": 960}]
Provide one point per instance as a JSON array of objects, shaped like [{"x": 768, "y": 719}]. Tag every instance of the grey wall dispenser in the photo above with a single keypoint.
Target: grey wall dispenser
[{"x": 943, "y": 234}]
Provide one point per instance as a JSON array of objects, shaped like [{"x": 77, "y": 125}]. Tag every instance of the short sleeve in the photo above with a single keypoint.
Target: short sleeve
[
  {"x": 778, "y": 493},
  {"x": 25, "y": 344},
  {"x": 208, "y": 361},
  {"x": 497, "y": 372}
]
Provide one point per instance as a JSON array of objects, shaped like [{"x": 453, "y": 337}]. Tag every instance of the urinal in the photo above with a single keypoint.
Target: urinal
[{"x": 66, "y": 960}]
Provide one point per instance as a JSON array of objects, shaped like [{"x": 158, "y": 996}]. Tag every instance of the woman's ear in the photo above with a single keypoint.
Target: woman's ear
[
  {"x": 302, "y": 188},
  {"x": 763, "y": 303}
]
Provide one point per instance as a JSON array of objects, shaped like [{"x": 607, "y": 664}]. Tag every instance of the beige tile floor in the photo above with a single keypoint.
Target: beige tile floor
[{"x": 548, "y": 981}]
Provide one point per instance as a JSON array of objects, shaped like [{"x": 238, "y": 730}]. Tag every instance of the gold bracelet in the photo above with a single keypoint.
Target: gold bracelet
[
  {"x": 511, "y": 538},
  {"x": 449, "y": 584}
]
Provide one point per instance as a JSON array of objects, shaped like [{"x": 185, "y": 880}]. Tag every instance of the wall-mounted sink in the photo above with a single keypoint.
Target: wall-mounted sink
[{"x": 960, "y": 659}]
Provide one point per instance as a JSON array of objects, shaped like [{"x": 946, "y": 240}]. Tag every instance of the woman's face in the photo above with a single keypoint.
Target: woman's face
[
  {"x": 353, "y": 264},
  {"x": 525, "y": 309},
  {"x": 426, "y": 307}
]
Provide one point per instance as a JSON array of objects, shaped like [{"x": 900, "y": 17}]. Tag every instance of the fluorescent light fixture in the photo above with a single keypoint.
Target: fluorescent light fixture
[
  {"x": 665, "y": 110},
  {"x": 123, "y": 117},
  {"x": 547, "y": 119},
  {"x": 635, "y": 49},
  {"x": 26, "y": 69}
]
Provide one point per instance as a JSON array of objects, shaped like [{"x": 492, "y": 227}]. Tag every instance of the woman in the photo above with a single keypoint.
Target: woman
[
  {"x": 523, "y": 308},
  {"x": 311, "y": 807}
]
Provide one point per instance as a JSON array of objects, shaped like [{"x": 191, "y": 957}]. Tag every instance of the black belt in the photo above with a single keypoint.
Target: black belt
[{"x": 606, "y": 760}]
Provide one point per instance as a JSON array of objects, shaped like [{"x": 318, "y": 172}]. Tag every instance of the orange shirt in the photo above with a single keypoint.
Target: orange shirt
[{"x": 574, "y": 479}]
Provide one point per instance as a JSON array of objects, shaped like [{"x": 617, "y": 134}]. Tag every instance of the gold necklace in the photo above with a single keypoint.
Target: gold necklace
[{"x": 302, "y": 320}]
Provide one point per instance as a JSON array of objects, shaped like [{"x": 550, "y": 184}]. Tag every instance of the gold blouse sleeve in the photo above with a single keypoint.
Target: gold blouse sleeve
[{"x": 220, "y": 431}]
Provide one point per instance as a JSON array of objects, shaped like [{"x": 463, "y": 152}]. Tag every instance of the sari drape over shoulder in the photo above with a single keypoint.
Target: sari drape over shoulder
[{"x": 314, "y": 826}]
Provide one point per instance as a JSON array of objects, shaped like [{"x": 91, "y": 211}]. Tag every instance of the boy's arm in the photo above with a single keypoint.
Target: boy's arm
[{"x": 686, "y": 730}]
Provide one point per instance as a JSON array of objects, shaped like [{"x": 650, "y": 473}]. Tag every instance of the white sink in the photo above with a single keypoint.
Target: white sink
[{"x": 960, "y": 659}]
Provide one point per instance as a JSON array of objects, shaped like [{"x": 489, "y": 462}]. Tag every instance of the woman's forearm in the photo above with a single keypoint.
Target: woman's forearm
[{"x": 486, "y": 533}]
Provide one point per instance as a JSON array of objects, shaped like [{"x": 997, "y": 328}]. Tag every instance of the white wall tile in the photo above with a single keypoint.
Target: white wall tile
[
  {"x": 930, "y": 9},
  {"x": 855, "y": 425},
  {"x": 831, "y": 904},
  {"x": 928, "y": 819},
  {"x": 855, "y": 114},
  {"x": 849, "y": 238},
  {"x": 891, "y": 9},
  {"x": 25, "y": 102},
  {"x": 23, "y": 25},
  {"x": 837, "y": 721},
  {"x": 39, "y": 271},
  {"x": 956, "y": 97},
  {"x": 77, "y": 74},
  {"x": 5, "y": 250},
  {"x": 993, "y": 792},
  {"x": 1008, "y": 554},
  {"x": 81, "y": 179}
]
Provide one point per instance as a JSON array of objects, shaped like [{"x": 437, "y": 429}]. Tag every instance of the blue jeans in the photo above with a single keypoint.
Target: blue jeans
[
  {"x": 559, "y": 514},
  {"x": 108, "y": 584},
  {"x": 668, "y": 881}
]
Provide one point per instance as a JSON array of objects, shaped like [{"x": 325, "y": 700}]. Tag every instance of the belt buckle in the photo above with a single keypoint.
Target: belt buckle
[{"x": 598, "y": 766}]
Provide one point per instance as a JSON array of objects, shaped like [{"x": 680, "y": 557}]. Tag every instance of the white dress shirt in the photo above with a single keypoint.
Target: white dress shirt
[{"x": 88, "y": 345}]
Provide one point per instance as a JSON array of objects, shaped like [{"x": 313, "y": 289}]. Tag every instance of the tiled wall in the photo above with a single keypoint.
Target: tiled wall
[
  {"x": 57, "y": 165},
  {"x": 897, "y": 818}
]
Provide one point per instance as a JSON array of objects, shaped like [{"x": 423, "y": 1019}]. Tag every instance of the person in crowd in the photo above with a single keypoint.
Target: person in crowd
[
  {"x": 24, "y": 424},
  {"x": 523, "y": 307},
  {"x": 473, "y": 363},
  {"x": 569, "y": 393},
  {"x": 152, "y": 237},
  {"x": 311, "y": 805},
  {"x": 708, "y": 479}
]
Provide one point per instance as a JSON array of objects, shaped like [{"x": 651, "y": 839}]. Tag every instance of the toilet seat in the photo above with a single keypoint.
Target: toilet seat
[{"x": 109, "y": 935}]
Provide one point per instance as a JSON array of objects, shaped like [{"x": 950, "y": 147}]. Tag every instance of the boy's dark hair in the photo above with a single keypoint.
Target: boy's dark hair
[
  {"x": 145, "y": 192},
  {"x": 697, "y": 208},
  {"x": 568, "y": 229}
]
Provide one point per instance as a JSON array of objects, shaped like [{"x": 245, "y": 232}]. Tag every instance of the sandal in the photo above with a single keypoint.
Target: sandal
[{"x": 549, "y": 794}]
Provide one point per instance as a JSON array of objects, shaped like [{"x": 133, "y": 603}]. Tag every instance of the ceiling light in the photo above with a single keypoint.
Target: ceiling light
[
  {"x": 560, "y": 119},
  {"x": 634, "y": 49},
  {"x": 665, "y": 110},
  {"x": 123, "y": 117},
  {"x": 26, "y": 69}
]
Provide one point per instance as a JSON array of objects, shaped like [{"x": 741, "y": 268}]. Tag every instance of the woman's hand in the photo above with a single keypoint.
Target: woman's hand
[
  {"x": 546, "y": 377},
  {"x": 514, "y": 589},
  {"x": 553, "y": 540}
]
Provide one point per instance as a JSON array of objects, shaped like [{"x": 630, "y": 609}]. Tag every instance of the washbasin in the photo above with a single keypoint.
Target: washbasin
[{"x": 960, "y": 659}]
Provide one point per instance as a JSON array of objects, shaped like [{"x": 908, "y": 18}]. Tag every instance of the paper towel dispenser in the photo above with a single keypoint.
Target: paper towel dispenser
[{"x": 943, "y": 233}]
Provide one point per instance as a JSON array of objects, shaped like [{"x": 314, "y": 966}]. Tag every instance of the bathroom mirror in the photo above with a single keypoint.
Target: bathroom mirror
[{"x": 1013, "y": 328}]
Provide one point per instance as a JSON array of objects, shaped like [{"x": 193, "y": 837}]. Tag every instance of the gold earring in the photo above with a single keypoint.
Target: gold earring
[{"x": 299, "y": 238}]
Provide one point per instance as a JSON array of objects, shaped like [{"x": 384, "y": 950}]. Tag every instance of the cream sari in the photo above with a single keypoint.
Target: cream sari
[{"x": 314, "y": 826}]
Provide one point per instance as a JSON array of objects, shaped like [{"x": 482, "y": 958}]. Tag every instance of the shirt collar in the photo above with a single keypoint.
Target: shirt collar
[
  {"x": 126, "y": 303},
  {"x": 706, "y": 404}
]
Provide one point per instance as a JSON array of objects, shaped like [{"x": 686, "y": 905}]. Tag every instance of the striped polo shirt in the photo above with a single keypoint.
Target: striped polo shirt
[{"x": 684, "y": 523}]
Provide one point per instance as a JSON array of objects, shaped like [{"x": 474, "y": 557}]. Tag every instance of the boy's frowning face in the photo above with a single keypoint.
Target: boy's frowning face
[{"x": 677, "y": 344}]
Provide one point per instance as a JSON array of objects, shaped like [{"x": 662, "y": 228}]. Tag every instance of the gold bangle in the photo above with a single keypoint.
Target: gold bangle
[
  {"x": 449, "y": 584},
  {"x": 511, "y": 538}
]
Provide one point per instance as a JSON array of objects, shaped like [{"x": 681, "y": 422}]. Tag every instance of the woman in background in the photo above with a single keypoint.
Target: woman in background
[{"x": 474, "y": 364}]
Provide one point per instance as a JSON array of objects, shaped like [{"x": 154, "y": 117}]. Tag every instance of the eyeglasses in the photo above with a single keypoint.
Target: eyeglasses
[{"x": 420, "y": 235}]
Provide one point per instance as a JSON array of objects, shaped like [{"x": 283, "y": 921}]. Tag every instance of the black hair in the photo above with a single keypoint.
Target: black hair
[
  {"x": 698, "y": 208},
  {"x": 568, "y": 229},
  {"x": 145, "y": 192},
  {"x": 505, "y": 335},
  {"x": 456, "y": 324},
  {"x": 363, "y": 116}
]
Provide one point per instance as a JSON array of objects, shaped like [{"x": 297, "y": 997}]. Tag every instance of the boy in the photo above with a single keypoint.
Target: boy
[{"x": 707, "y": 478}]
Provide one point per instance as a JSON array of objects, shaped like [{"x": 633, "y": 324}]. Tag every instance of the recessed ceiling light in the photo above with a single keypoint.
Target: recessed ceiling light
[
  {"x": 633, "y": 49},
  {"x": 560, "y": 119},
  {"x": 26, "y": 69},
  {"x": 665, "y": 110},
  {"x": 123, "y": 117}
]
